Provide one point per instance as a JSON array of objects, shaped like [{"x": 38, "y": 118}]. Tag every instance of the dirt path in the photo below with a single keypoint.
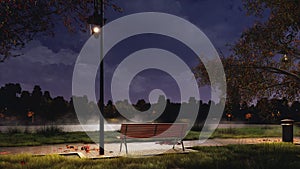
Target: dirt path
[{"x": 135, "y": 148}]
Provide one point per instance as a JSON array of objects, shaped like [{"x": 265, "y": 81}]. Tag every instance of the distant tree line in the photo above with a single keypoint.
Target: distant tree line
[
  {"x": 265, "y": 111},
  {"x": 18, "y": 106},
  {"x": 36, "y": 107}
]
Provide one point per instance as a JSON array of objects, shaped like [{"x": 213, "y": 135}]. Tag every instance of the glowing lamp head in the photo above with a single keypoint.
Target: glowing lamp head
[
  {"x": 285, "y": 59},
  {"x": 96, "y": 29},
  {"x": 96, "y": 22}
]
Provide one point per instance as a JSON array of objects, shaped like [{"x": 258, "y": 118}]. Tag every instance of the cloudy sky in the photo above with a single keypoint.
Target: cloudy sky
[{"x": 49, "y": 61}]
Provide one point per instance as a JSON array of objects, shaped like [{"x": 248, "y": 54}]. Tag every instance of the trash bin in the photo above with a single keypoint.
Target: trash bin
[{"x": 287, "y": 130}]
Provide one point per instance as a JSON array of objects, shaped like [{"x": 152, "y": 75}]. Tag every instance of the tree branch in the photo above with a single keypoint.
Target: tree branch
[{"x": 273, "y": 70}]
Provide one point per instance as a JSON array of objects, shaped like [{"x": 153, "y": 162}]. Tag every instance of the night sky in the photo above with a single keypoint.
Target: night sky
[{"x": 49, "y": 61}]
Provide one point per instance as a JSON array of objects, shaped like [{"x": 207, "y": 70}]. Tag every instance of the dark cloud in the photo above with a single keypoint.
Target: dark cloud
[
  {"x": 49, "y": 61},
  {"x": 41, "y": 66}
]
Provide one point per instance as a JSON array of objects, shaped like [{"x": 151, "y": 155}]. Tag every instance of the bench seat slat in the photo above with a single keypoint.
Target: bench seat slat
[{"x": 157, "y": 130}]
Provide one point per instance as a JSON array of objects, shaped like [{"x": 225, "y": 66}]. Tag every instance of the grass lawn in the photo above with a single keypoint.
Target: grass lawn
[
  {"x": 54, "y": 136},
  {"x": 261, "y": 156},
  {"x": 247, "y": 132},
  {"x": 33, "y": 139}
]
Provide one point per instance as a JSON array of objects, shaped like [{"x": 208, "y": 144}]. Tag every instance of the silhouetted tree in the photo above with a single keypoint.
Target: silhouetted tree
[
  {"x": 141, "y": 105},
  {"x": 9, "y": 98},
  {"x": 110, "y": 110},
  {"x": 36, "y": 99},
  {"x": 295, "y": 110},
  {"x": 58, "y": 107}
]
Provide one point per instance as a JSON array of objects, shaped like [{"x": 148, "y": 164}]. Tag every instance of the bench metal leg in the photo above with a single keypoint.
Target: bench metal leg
[
  {"x": 126, "y": 146},
  {"x": 121, "y": 145},
  {"x": 175, "y": 142},
  {"x": 181, "y": 142}
]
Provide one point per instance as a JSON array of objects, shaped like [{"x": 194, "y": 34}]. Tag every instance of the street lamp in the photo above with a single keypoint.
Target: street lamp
[{"x": 97, "y": 22}]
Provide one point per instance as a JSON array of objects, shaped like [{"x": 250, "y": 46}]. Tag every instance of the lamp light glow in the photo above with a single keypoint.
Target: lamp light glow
[
  {"x": 96, "y": 29},
  {"x": 285, "y": 58}
]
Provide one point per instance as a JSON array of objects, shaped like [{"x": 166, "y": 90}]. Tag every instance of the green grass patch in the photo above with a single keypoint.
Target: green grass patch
[
  {"x": 261, "y": 156},
  {"x": 30, "y": 139},
  {"x": 246, "y": 132},
  {"x": 250, "y": 132}
]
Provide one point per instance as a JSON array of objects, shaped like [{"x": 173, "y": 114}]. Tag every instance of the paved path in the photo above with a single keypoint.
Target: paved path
[{"x": 134, "y": 149}]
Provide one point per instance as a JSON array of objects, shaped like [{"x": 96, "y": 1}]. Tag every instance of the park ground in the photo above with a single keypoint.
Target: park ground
[{"x": 227, "y": 148}]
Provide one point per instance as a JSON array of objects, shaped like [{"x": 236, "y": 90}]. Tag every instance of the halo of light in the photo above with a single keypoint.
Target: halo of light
[{"x": 96, "y": 29}]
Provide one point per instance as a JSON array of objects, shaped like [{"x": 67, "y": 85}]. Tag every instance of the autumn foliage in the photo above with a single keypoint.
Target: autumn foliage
[{"x": 265, "y": 61}]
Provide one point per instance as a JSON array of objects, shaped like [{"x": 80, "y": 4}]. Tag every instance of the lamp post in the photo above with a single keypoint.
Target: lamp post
[
  {"x": 97, "y": 22},
  {"x": 101, "y": 123}
]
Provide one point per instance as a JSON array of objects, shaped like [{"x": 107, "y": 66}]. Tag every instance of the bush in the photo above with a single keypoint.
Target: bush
[
  {"x": 13, "y": 130},
  {"x": 49, "y": 131},
  {"x": 27, "y": 131}
]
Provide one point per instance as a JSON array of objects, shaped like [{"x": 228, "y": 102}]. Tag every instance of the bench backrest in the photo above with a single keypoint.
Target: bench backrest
[{"x": 153, "y": 130}]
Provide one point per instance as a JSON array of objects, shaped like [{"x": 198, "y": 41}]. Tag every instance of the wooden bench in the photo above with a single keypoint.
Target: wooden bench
[{"x": 172, "y": 131}]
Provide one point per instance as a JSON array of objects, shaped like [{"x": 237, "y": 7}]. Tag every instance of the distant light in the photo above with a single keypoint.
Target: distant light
[
  {"x": 96, "y": 29},
  {"x": 285, "y": 58}
]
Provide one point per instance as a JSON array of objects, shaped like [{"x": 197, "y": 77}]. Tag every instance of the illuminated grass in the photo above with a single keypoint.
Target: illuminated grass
[{"x": 266, "y": 156}]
